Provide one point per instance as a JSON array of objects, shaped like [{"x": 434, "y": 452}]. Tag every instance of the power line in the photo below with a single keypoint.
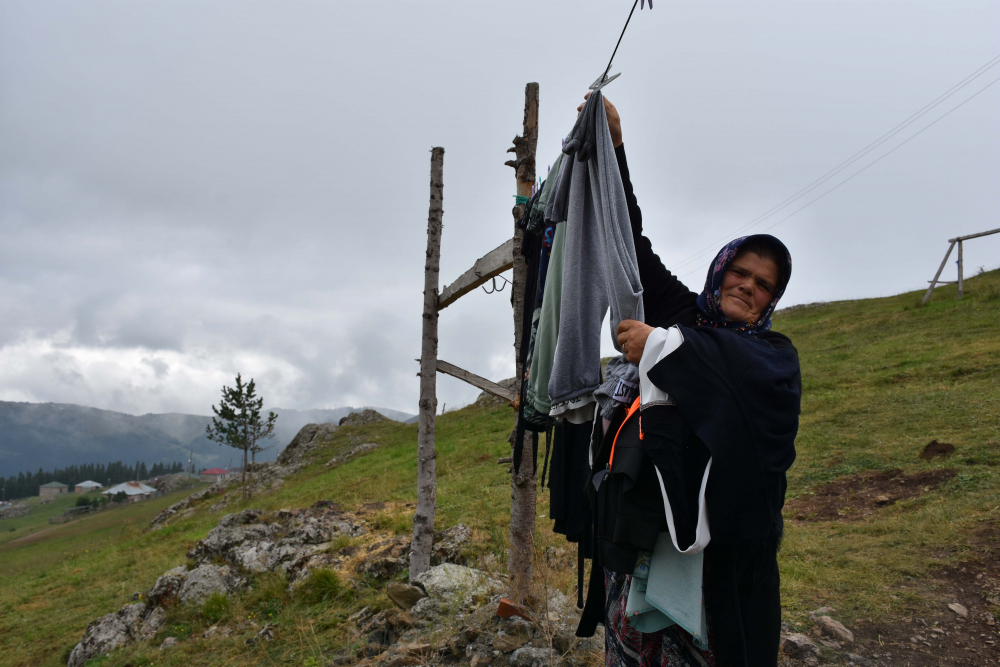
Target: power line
[
  {"x": 880, "y": 158},
  {"x": 855, "y": 157}
]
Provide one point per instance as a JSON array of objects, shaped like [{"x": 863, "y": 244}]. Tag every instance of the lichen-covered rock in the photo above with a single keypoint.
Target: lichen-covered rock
[
  {"x": 204, "y": 581},
  {"x": 529, "y": 656},
  {"x": 834, "y": 629},
  {"x": 221, "y": 539},
  {"x": 152, "y": 623},
  {"x": 307, "y": 439},
  {"x": 115, "y": 630},
  {"x": 165, "y": 590},
  {"x": 449, "y": 581},
  {"x": 451, "y": 588},
  {"x": 798, "y": 646}
]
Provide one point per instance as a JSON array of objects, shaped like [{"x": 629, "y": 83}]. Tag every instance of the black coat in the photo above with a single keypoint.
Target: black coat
[{"x": 755, "y": 383}]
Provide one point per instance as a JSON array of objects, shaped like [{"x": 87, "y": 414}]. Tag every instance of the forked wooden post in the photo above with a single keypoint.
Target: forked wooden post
[
  {"x": 423, "y": 518},
  {"x": 522, "y": 497}
]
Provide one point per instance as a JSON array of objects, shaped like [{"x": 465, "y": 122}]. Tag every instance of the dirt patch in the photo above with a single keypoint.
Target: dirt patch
[
  {"x": 935, "y": 449},
  {"x": 857, "y": 496}
]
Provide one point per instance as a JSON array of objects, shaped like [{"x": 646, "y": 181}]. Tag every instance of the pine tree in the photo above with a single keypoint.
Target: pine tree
[{"x": 240, "y": 424}]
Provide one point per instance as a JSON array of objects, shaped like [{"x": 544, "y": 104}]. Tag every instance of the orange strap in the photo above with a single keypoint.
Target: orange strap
[{"x": 631, "y": 411}]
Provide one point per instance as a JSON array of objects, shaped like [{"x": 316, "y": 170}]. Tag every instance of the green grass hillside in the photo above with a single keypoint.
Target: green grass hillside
[{"x": 882, "y": 378}]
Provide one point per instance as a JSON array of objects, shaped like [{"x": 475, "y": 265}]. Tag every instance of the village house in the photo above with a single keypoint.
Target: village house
[
  {"x": 84, "y": 487},
  {"x": 52, "y": 489},
  {"x": 213, "y": 475},
  {"x": 134, "y": 491}
]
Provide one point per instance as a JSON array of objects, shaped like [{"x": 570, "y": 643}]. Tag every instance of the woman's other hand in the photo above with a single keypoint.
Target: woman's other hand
[
  {"x": 632, "y": 336},
  {"x": 614, "y": 120}
]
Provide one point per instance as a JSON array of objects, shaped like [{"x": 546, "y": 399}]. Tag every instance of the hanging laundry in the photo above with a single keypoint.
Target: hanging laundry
[
  {"x": 531, "y": 250},
  {"x": 599, "y": 268},
  {"x": 537, "y": 394},
  {"x": 536, "y": 220}
]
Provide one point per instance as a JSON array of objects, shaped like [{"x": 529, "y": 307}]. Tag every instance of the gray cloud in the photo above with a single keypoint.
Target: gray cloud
[{"x": 190, "y": 192}]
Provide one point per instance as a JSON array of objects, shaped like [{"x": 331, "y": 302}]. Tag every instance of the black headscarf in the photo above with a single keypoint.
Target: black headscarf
[{"x": 709, "y": 301}]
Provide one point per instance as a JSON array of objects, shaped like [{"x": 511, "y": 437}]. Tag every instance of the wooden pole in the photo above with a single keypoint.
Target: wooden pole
[
  {"x": 930, "y": 290},
  {"x": 522, "y": 496},
  {"x": 423, "y": 518},
  {"x": 961, "y": 281}
]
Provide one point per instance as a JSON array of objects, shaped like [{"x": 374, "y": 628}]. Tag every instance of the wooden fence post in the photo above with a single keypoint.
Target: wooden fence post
[
  {"x": 934, "y": 282},
  {"x": 423, "y": 518},
  {"x": 522, "y": 497}
]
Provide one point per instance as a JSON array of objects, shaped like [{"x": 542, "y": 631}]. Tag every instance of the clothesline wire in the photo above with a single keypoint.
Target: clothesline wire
[
  {"x": 853, "y": 158},
  {"x": 608, "y": 69},
  {"x": 879, "y": 159}
]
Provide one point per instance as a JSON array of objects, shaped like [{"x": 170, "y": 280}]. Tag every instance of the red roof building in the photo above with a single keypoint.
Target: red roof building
[{"x": 213, "y": 474}]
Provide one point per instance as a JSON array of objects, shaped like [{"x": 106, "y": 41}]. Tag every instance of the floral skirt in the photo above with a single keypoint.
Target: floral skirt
[{"x": 627, "y": 647}]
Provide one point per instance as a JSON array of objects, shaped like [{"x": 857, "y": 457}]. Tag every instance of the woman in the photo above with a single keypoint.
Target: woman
[{"x": 730, "y": 392}]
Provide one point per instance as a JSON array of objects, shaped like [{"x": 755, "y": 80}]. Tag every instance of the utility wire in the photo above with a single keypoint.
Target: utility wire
[
  {"x": 880, "y": 158},
  {"x": 855, "y": 157}
]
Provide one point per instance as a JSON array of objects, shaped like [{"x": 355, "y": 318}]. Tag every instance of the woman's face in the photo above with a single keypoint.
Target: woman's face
[{"x": 748, "y": 287}]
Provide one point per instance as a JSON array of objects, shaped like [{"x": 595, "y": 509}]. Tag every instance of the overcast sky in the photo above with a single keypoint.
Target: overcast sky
[{"x": 192, "y": 189}]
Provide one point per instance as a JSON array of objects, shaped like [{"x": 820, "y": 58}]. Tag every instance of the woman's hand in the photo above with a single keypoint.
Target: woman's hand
[
  {"x": 632, "y": 336},
  {"x": 614, "y": 120}
]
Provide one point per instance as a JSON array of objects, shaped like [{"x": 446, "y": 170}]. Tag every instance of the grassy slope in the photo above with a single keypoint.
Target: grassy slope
[
  {"x": 38, "y": 518},
  {"x": 882, "y": 378}
]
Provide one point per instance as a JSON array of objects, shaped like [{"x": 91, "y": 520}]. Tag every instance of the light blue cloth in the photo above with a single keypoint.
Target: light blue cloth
[{"x": 666, "y": 590}]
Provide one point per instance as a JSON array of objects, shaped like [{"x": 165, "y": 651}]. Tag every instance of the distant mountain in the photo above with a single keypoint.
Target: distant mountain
[{"x": 55, "y": 435}]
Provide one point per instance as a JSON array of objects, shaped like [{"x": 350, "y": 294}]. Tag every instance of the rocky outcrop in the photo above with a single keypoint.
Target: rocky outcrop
[
  {"x": 133, "y": 622},
  {"x": 366, "y": 416},
  {"x": 181, "y": 508},
  {"x": 310, "y": 437},
  {"x": 262, "y": 477},
  {"x": 206, "y": 580},
  {"x": 14, "y": 511},
  {"x": 457, "y": 629},
  {"x": 286, "y": 541}
]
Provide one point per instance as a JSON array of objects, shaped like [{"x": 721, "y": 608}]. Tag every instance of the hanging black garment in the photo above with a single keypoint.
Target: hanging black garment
[
  {"x": 531, "y": 250},
  {"x": 568, "y": 477}
]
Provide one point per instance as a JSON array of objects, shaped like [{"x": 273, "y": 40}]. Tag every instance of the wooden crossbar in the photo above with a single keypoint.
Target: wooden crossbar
[
  {"x": 487, "y": 267},
  {"x": 973, "y": 236},
  {"x": 476, "y": 380}
]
